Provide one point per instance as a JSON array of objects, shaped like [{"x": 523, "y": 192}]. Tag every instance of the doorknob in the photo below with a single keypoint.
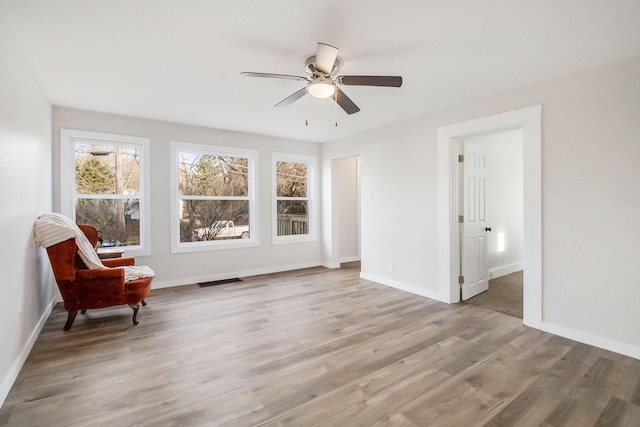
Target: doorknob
[{"x": 487, "y": 229}]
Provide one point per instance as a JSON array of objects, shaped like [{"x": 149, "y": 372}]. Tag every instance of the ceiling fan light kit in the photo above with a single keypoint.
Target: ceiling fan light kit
[
  {"x": 321, "y": 82},
  {"x": 321, "y": 88}
]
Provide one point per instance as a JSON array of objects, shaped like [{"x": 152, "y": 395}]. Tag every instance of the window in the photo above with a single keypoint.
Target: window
[
  {"x": 104, "y": 183},
  {"x": 213, "y": 197},
  {"x": 293, "y": 194}
]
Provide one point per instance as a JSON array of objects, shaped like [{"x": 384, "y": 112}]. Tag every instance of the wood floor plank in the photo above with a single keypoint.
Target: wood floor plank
[
  {"x": 535, "y": 403},
  {"x": 620, "y": 414},
  {"x": 314, "y": 347}
]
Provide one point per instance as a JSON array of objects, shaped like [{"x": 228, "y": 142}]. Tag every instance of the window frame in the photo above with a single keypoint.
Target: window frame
[
  {"x": 214, "y": 150},
  {"x": 311, "y": 162},
  {"x": 68, "y": 138}
]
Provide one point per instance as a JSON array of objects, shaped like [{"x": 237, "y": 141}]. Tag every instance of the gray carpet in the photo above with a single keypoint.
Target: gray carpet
[{"x": 504, "y": 295}]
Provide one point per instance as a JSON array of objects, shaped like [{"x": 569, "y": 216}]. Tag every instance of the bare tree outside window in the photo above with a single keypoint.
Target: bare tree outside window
[
  {"x": 213, "y": 192},
  {"x": 107, "y": 191}
]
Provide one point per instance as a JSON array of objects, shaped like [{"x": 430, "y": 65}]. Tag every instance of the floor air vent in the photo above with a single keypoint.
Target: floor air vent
[{"x": 219, "y": 282}]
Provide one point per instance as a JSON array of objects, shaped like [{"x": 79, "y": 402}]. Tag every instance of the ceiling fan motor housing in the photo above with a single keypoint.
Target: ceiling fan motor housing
[{"x": 310, "y": 67}]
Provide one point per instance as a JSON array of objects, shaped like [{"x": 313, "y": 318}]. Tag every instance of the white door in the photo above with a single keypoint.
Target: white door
[{"x": 474, "y": 268}]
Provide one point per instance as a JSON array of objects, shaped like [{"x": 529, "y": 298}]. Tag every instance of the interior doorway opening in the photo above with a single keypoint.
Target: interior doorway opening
[
  {"x": 346, "y": 172},
  {"x": 529, "y": 120},
  {"x": 499, "y": 252}
]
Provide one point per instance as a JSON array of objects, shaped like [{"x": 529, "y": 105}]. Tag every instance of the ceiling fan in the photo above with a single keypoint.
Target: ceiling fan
[{"x": 323, "y": 82}]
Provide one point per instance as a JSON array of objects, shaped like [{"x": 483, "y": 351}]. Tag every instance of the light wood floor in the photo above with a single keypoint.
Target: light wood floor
[{"x": 314, "y": 347}]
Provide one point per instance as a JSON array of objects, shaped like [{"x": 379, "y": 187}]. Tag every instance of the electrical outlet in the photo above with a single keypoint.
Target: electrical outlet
[
  {"x": 20, "y": 316},
  {"x": 390, "y": 267}
]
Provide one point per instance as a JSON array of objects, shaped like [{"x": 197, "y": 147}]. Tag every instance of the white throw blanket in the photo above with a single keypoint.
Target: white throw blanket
[{"x": 53, "y": 228}]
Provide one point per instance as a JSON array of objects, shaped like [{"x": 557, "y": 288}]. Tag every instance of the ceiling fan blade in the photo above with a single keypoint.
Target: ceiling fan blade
[
  {"x": 389, "y": 81},
  {"x": 273, "y": 76},
  {"x": 326, "y": 57},
  {"x": 345, "y": 102},
  {"x": 292, "y": 98}
]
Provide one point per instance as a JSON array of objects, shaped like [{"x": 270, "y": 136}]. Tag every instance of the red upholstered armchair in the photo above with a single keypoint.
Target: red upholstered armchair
[{"x": 84, "y": 289}]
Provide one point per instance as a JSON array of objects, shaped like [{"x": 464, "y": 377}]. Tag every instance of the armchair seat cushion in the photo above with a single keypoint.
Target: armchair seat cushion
[{"x": 137, "y": 290}]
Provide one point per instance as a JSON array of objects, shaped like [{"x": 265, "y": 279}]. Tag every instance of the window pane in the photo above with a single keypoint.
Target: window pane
[
  {"x": 107, "y": 169},
  {"x": 213, "y": 220},
  {"x": 117, "y": 221},
  {"x": 209, "y": 175},
  {"x": 293, "y": 217},
  {"x": 291, "y": 179}
]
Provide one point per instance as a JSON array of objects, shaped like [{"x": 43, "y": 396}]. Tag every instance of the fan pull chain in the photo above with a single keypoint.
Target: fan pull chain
[
  {"x": 306, "y": 110},
  {"x": 335, "y": 108}
]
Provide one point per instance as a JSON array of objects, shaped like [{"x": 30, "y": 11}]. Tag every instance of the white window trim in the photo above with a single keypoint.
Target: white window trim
[
  {"x": 182, "y": 247},
  {"x": 312, "y": 178},
  {"x": 68, "y": 177}
]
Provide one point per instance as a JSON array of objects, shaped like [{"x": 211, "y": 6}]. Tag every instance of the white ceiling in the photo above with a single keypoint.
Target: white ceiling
[{"x": 180, "y": 60}]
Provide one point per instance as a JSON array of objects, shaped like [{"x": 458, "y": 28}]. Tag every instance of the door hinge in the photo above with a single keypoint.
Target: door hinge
[
  {"x": 460, "y": 158},
  {"x": 460, "y": 219},
  {"x": 461, "y": 280}
]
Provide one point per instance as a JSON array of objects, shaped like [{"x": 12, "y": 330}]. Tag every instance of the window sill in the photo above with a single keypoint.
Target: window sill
[
  {"x": 212, "y": 246},
  {"x": 290, "y": 240}
]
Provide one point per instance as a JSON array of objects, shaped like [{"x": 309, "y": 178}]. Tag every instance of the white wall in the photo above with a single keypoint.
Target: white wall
[
  {"x": 590, "y": 173},
  {"x": 504, "y": 199},
  {"x": 345, "y": 172},
  {"x": 179, "y": 269},
  {"x": 25, "y": 190}
]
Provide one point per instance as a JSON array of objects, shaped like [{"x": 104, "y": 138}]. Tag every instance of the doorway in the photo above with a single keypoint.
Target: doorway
[
  {"x": 346, "y": 172},
  {"x": 493, "y": 175},
  {"x": 529, "y": 120}
]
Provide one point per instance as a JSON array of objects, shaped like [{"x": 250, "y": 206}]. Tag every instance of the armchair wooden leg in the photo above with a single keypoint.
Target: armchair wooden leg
[
  {"x": 144, "y": 303},
  {"x": 71, "y": 316},
  {"x": 135, "y": 308}
]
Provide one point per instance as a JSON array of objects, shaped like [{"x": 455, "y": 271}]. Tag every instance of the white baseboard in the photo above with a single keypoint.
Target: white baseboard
[
  {"x": 403, "y": 286},
  {"x": 10, "y": 377},
  {"x": 159, "y": 284},
  {"x": 505, "y": 269},
  {"x": 350, "y": 259},
  {"x": 594, "y": 340}
]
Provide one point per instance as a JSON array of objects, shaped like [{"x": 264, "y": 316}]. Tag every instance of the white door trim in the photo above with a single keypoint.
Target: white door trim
[{"x": 530, "y": 120}]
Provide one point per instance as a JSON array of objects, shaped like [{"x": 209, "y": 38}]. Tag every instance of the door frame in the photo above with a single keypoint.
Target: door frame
[{"x": 530, "y": 120}]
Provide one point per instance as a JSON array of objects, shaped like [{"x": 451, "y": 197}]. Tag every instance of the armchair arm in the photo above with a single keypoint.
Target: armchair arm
[
  {"x": 94, "y": 289},
  {"x": 118, "y": 262},
  {"x": 100, "y": 274}
]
